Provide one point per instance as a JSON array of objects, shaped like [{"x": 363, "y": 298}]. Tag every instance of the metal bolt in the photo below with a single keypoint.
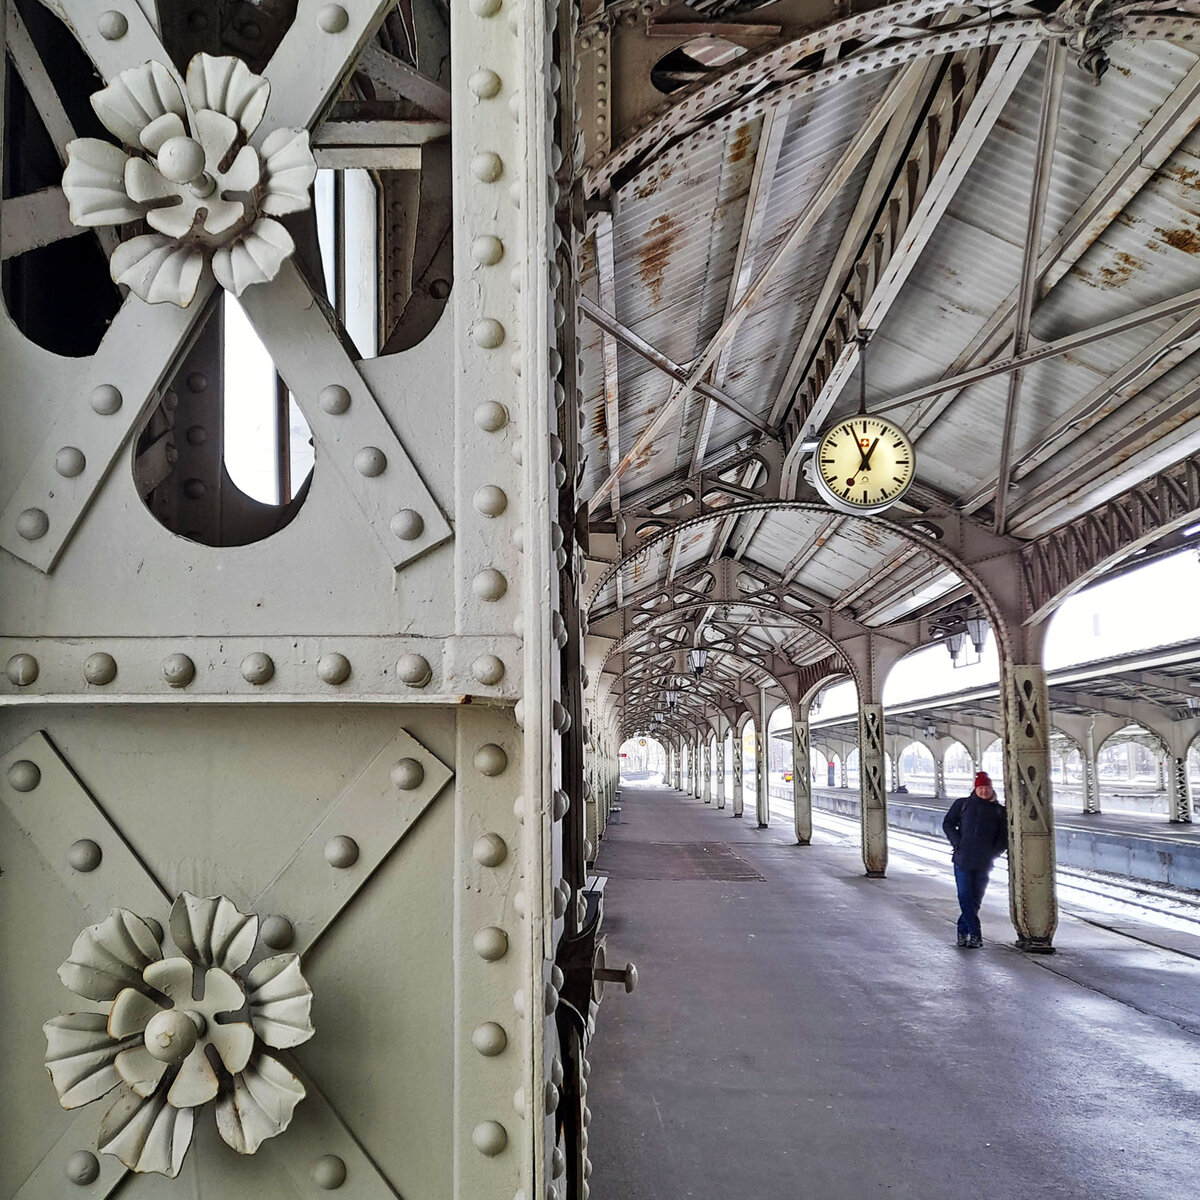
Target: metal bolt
[
  {"x": 489, "y": 1137},
  {"x": 487, "y": 250},
  {"x": 489, "y": 1039},
  {"x": 488, "y": 333},
  {"x": 414, "y": 670},
  {"x": 490, "y": 759},
  {"x": 70, "y": 461},
  {"x": 99, "y": 668},
  {"x": 21, "y": 669},
  {"x": 491, "y": 943},
  {"x": 333, "y": 668},
  {"x": 84, "y": 855},
  {"x": 370, "y": 461},
  {"x": 32, "y": 524},
  {"x": 257, "y": 667},
  {"x": 277, "y": 932},
  {"x": 334, "y": 399},
  {"x": 341, "y": 852},
  {"x": 408, "y": 525},
  {"x": 490, "y": 850},
  {"x": 408, "y": 774},
  {"x": 178, "y": 670},
  {"x": 487, "y": 167},
  {"x": 490, "y": 500},
  {"x": 329, "y": 1172},
  {"x": 83, "y": 1167},
  {"x": 333, "y": 18},
  {"x": 488, "y": 669},
  {"x": 484, "y": 83},
  {"x": 24, "y": 776},
  {"x": 491, "y": 416},
  {"x": 489, "y": 585},
  {"x": 105, "y": 399}
]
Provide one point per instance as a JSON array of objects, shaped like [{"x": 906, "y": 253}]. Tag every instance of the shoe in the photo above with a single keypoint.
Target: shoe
[
  {"x": 962, "y": 940},
  {"x": 974, "y": 943}
]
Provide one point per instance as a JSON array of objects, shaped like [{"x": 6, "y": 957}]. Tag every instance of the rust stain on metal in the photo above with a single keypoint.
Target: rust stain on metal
[
  {"x": 1115, "y": 276},
  {"x": 741, "y": 144},
  {"x": 655, "y": 254},
  {"x": 1187, "y": 240}
]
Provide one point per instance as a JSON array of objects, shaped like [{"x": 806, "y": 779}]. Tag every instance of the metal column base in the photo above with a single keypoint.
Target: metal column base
[
  {"x": 876, "y": 874},
  {"x": 1035, "y": 945}
]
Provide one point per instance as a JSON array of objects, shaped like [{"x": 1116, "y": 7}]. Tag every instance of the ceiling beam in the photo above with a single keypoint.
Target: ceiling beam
[
  {"x": 860, "y": 145},
  {"x": 1043, "y": 164},
  {"x": 606, "y": 275}
]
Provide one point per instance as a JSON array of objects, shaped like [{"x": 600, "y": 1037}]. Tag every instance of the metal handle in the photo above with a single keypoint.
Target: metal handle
[{"x": 628, "y": 977}]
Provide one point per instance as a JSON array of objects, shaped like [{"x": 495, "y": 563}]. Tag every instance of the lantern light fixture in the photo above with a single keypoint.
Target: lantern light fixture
[
  {"x": 954, "y": 642},
  {"x": 697, "y": 658},
  {"x": 977, "y": 631}
]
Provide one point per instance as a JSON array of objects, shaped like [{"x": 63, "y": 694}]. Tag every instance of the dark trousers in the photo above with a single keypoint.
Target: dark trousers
[{"x": 971, "y": 886}]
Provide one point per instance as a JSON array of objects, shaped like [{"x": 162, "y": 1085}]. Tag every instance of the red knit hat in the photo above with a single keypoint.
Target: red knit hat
[{"x": 983, "y": 779}]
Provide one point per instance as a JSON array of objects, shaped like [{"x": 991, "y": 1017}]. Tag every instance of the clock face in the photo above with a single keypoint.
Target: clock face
[{"x": 863, "y": 464}]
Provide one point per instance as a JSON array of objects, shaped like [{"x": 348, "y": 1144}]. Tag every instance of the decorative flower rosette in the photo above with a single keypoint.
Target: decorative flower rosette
[
  {"x": 192, "y": 175},
  {"x": 179, "y": 1032}
]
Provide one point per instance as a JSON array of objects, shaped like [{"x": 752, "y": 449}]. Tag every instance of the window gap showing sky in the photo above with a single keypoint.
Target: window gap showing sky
[{"x": 1155, "y": 605}]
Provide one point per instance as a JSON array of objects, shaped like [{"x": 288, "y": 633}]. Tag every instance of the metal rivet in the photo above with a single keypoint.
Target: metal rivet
[
  {"x": 484, "y": 83},
  {"x": 485, "y": 8},
  {"x": 490, "y": 500},
  {"x": 113, "y": 26},
  {"x": 439, "y": 289},
  {"x": 333, "y": 668},
  {"x": 551, "y": 1097},
  {"x": 32, "y": 524},
  {"x": 333, "y": 18},
  {"x": 490, "y": 850},
  {"x": 556, "y": 973},
  {"x": 489, "y": 1039},
  {"x": 334, "y": 399},
  {"x": 489, "y": 1137},
  {"x": 178, "y": 670},
  {"x": 558, "y": 902},
  {"x": 556, "y": 1075},
  {"x": 105, "y": 400},
  {"x": 488, "y": 333},
  {"x": 414, "y": 670},
  {"x": 24, "y": 776},
  {"x": 21, "y": 669},
  {"x": 329, "y": 1172},
  {"x": 341, "y": 852},
  {"x": 558, "y": 1162},
  {"x": 489, "y": 585},
  {"x": 487, "y": 167},
  {"x": 491, "y": 943},
  {"x": 370, "y": 461},
  {"x": 277, "y": 932},
  {"x": 487, "y": 250},
  {"x": 84, "y": 855},
  {"x": 408, "y": 774},
  {"x": 195, "y": 489},
  {"x": 83, "y": 1167},
  {"x": 488, "y": 669},
  {"x": 69, "y": 462},
  {"x": 197, "y": 382},
  {"x": 257, "y": 667},
  {"x": 491, "y": 416},
  {"x": 197, "y": 435},
  {"x": 408, "y": 525},
  {"x": 99, "y": 668},
  {"x": 550, "y": 998},
  {"x": 561, "y": 803},
  {"x": 490, "y": 759}
]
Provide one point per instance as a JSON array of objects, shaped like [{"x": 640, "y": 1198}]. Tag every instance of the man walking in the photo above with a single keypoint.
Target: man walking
[{"x": 977, "y": 827}]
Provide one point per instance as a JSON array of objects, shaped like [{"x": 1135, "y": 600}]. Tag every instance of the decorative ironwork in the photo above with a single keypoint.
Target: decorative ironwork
[
  {"x": 153, "y": 1038},
  {"x": 208, "y": 195}
]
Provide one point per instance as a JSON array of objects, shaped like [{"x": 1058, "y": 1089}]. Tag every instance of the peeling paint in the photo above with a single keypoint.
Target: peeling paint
[
  {"x": 1185, "y": 239},
  {"x": 741, "y": 143}
]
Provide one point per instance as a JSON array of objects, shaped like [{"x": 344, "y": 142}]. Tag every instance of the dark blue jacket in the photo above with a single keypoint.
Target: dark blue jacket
[{"x": 978, "y": 831}]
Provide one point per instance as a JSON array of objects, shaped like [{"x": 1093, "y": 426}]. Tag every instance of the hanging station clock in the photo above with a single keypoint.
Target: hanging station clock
[{"x": 863, "y": 464}]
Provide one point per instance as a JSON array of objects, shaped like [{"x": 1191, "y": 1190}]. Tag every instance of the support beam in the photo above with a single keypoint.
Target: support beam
[
  {"x": 1052, "y": 84},
  {"x": 405, "y": 81},
  {"x": 606, "y": 275}
]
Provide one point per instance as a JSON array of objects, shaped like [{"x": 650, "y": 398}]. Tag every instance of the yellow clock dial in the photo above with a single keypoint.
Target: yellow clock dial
[{"x": 863, "y": 464}]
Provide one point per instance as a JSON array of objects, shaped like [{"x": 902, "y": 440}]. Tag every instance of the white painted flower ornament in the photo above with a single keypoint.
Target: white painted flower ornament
[
  {"x": 179, "y": 1032},
  {"x": 191, "y": 173}
]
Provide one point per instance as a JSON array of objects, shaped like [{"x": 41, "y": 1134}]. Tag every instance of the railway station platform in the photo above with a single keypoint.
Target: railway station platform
[{"x": 800, "y": 1030}]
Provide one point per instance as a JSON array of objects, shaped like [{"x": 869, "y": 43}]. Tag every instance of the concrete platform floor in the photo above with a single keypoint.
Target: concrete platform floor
[{"x": 802, "y": 1031}]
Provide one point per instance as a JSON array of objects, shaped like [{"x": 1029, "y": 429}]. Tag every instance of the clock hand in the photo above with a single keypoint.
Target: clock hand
[{"x": 866, "y": 458}]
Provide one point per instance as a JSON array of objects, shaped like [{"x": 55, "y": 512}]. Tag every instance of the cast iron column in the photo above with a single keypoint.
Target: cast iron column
[
  {"x": 802, "y": 778},
  {"x": 739, "y": 781},
  {"x": 721, "y": 772},
  {"x": 871, "y": 795}
]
